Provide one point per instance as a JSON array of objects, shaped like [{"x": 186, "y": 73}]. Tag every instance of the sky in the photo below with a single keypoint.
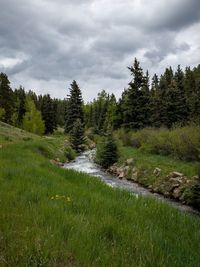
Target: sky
[{"x": 45, "y": 44}]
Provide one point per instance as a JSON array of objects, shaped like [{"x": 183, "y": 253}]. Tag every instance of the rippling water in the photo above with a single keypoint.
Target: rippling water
[{"x": 85, "y": 163}]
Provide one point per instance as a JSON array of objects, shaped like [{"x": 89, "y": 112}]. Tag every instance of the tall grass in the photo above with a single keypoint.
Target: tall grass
[
  {"x": 182, "y": 143},
  {"x": 55, "y": 217}
]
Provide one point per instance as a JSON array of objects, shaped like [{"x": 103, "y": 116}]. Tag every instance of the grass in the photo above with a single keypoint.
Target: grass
[
  {"x": 55, "y": 217},
  {"x": 181, "y": 142}
]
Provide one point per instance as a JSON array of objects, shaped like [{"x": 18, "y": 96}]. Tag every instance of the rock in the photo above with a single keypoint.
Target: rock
[
  {"x": 157, "y": 171},
  {"x": 130, "y": 161},
  {"x": 166, "y": 194},
  {"x": 126, "y": 170},
  {"x": 92, "y": 145},
  {"x": 176, "y": 193},
  {"x": 176, "y": 174},
  {"x": 121, "y": 175},
  {"x": 134, "y": 176}
]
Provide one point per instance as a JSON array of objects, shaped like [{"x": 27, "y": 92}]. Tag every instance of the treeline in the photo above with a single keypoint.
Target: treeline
[
  {"x": 38, "y": 114},
  {"x": 173, "y": 99}
]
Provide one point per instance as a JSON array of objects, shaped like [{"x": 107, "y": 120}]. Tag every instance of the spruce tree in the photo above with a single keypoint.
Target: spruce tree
[
  {"x": 6, "y": 98},
  {"x": 74, "y": 108},
  {"x": 20, "y": 108},
  {"x": 77, "y": 136},
  {"x": 107, "y": 151},
  {"x": 47, "y": 111},
  {"x": 132, "y": 98}
]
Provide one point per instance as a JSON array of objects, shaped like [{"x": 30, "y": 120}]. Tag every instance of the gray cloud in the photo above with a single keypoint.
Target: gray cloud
[{"x": 44, "y": 44}]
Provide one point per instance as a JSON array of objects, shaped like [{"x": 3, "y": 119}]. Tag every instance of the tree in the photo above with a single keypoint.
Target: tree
[
  {"x": 47, "y": 110},
  {"x": 20, "y": 109},
  {"x": 77, "y": 136},
  {"x": 133, "y": 98},
  {"x": 6, "y": 98},
  {"x": 74, "y": 108},
  {"x": 32, "y": 121},
  {"x": 107, "y": 151},
  {"x": 2, "y": 113}
]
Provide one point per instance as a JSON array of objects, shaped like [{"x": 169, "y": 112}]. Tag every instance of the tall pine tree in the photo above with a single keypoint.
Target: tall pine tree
[
  {"x": 74, "y": 109},
  {"x": 6, "y": 98}
]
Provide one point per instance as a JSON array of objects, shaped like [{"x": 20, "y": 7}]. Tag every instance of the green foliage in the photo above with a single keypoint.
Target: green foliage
[
  {"x": 48, "y": 114},
  {"x": 20, "y": 106},
  {"x": 74, "y": 107},
  {"x": 182, "y": 143},
  {"x": 77, "y": 136},
  {"x": 32, "y": 121},
  {"x": 2, "y": 113},
  {"x": 6, "y": 98},
  {"x": 107, "y": 151},
  {"x": 70, "y": 153}
]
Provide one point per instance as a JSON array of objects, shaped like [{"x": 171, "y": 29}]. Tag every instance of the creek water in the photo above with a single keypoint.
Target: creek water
[{"x": 85, "y": 163}]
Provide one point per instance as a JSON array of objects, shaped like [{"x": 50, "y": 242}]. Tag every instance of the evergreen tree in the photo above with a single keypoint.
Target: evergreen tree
[
  {"x": 47, "y": 111},
  {"x": 107, "y": 151},
  {"x": 20, "y": 109},
  {"x": 6, "y": 98},
  {"x": 132, "y": 98},
  {"x": 74, "y": 108},
  {"x": 181, "y": 103},
  {"x": 77, "y": 136}
]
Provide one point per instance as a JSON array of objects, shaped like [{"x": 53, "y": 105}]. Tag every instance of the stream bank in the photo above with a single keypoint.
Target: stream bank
[{"x": 85, "y": 163}]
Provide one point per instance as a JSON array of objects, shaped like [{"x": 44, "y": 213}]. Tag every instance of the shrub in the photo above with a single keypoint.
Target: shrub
[
  {"x": 70, "y": 153},
  {"x": 107, "y": 152},
  {"x": 182, "y": 143}
]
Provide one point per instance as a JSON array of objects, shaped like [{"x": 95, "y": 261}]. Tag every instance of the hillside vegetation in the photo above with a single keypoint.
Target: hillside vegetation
[{"x": 55, "y": 217}]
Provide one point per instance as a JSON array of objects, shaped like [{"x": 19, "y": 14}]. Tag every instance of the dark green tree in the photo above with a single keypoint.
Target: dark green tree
[
  {"x": 74, "y": 109},
  {"x": 6, "y": 98},
  {"x": 47, "y": 111},
  {"x": 107, "y": 151},
  {"x": 77, "y": 136},
  {"x": 132, "y": 98},
  {"x": 20, "y": 105}
]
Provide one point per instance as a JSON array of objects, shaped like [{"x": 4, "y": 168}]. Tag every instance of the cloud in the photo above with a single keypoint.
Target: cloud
[{"x": 45, "y": 44}]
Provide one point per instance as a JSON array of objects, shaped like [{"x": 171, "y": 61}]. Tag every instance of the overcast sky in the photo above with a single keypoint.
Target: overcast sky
[{"x": 45, "y": 44}]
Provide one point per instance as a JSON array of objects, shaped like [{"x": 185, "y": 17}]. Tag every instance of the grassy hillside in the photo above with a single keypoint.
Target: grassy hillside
[{"x": 55, "y": 217}]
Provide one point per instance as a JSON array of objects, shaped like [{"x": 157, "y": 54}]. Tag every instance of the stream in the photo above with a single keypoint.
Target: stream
[{"x": 85, "y": 163}]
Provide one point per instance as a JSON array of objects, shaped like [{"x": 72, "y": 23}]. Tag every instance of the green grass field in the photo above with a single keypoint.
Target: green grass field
[{"x": 55, "y": 217}]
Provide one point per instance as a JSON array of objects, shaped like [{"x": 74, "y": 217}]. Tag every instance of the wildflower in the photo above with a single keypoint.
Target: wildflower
[{"x": 68, "y": 199}]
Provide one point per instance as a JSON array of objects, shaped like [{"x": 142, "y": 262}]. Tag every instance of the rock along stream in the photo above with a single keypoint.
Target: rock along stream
[{"x": 85, "y": 163}]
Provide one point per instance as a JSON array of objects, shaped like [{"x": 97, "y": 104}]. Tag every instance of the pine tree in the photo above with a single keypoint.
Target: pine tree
[
  {"x": 181, "y": 108},
  {"x": 6, "y": 98},
  {"x": 74, "y": 109},
  {"x": 77, "y": 136},
  {"x": 132, "y": 98},
  {"x": 107, "y": 151},
  {"x": 20, "y": 109},
  {"x": 47, "y": 111}
]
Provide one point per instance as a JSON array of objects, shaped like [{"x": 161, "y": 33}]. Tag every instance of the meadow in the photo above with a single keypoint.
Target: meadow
[{"x": 50, "y": 216}]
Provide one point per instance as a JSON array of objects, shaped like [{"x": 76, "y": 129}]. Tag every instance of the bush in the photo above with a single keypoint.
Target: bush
[
  {"x": 70, "y": 153},
  {"x": 107, "y": 152},
  {"x": 182, "y": 143}
]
